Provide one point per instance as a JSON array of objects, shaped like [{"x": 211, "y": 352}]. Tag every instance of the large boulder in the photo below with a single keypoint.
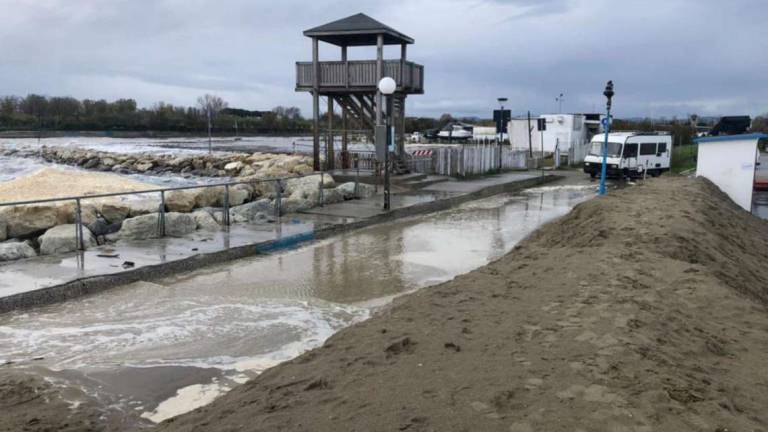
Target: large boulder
[
  {"x": 364, "y": 190},
  {"x": 23, "y": 221},
  {"x": 308, "y": 183},
  {"x": 288, "y": 163},
  {"x": 63, "y": 238},
  {"x": 114, "y": 211},
  {"x": 271, "y": 172},
  {"x": 332, "y": 196},
  {"x": 13, "y": 250},
  {"x": 252, "y": 211},
  {"x": 140, "y": 227},
  {"x": 205, "y": 221},
  {"x": 207, "y": 197},
  {"x": 67, "y": 213},
  {"x": 143, "y": 166},
  {"x": 234, "y": 168},
  {"x": 3, "y": 230},
  {"x": 302, "y": 169},
  {"x": 143, "y": 206},
  {"x": 265, "y": 189},
  {"x": 296, "y": 203},
  {"x": 181, "y": 201},
  {"x": 238, "y": 194},
  {"x": 179, "y": 224},
  {"x": 147, "y": 226}
]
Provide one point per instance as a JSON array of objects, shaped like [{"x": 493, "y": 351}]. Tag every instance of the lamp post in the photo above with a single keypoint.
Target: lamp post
[
  {"x": 387, "y": 87},
  {"x": 608, "y": 93},
  {"x": 559, "y": 101}
]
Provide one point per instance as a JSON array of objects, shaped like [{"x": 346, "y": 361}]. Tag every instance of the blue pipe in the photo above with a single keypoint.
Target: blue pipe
[{"x": 604, "y": 168}]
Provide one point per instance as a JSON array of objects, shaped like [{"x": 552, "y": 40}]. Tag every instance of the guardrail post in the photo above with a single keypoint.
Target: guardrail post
[
  {"x": 376, "y": 176},
  {"x": 79, "y": 226},
  {"x": 161, "y": 215},
  {"x": 357, "y": 182},
  {"x": 278, "y": 199},
  {"x": 320, "y": 192},
  {"x": 226, "y": 206}
]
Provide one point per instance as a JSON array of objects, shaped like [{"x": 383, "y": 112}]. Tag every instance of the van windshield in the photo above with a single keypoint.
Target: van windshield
[{"x": 614, "y": 149}]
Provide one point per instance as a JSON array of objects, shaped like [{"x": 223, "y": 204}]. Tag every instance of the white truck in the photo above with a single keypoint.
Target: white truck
[{"x": 630, "y": 154}]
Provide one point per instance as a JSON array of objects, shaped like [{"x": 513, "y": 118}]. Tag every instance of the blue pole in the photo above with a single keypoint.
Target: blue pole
[{"x": 605, "y": 151}]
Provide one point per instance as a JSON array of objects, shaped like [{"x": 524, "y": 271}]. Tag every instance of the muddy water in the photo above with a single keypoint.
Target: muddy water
[{"x": 162, "y": 348}]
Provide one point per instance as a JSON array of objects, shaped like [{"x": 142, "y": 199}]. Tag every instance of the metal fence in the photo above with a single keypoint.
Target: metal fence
[
  {"x": 477, "y": 159},
  {"x": 278, "y": 185}
]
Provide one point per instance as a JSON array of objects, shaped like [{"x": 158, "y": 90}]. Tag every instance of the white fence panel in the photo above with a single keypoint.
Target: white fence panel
[{"x": 474, "y": 159}]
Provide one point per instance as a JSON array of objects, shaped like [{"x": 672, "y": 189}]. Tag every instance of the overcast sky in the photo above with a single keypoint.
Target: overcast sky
[{"x": 666, "y": 57}]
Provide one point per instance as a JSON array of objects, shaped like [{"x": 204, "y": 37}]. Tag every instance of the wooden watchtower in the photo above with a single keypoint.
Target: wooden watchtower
[{"x": 353, "y": 85}]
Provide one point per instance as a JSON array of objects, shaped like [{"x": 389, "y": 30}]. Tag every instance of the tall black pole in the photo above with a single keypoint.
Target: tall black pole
[
  {"x": 530, "y": 140},
  {"x": 388, "y": 123}
]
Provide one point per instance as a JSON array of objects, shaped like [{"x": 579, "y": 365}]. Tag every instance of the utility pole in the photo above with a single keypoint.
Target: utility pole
[
  {"x": 559, "y": 100},
  {"x": 210, "y": 144},
  {"x": 530, "y": 129},
  {"x": 500, "y": 127}
]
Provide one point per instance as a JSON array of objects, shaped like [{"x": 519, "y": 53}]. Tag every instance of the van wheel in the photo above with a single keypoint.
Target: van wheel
[
  {"x": 592, "y": 175},
  {"x": 654, "y": 173}
]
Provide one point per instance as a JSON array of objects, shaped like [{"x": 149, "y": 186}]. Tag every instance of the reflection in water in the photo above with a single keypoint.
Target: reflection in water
[
  {"x": 246, "y": 315},
  {"x": 760, "y": 204}
]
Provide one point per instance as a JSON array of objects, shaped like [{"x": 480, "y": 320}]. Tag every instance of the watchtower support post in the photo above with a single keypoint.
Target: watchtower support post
[{"x": 316, "y": 104}]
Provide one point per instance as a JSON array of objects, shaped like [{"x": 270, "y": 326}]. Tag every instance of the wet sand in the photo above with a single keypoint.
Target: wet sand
[
  {"x": 57, "y": 183},
  {"x": 641, "y": 311}
]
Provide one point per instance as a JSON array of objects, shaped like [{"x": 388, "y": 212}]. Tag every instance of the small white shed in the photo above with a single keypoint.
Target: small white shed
[
  {"x": 729, "y": 162},
  {"x": 570, "y": 133}
]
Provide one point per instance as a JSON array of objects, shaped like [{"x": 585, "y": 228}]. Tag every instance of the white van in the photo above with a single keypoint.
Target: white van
[{"x": 630, "y": 154}]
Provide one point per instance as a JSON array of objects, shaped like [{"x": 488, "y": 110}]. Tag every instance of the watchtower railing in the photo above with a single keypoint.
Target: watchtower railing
[{"x": 360, "y": 74}]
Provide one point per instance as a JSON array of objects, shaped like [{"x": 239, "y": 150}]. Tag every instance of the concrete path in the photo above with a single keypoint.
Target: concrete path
[{"x": 47, "y": 279}]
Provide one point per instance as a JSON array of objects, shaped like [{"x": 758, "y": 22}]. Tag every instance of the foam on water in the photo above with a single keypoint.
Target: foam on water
[{"x": 189, "y": 335}]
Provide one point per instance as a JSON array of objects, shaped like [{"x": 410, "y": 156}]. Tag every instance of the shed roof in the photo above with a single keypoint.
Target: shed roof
[
  {"x": 357, "y": 30},
  {"x": 722, "y": 138}
]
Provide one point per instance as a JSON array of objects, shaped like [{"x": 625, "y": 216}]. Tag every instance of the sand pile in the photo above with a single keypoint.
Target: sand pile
[
  {"x": 56, "y": 183},
  {"x": 641, "y": 311}
]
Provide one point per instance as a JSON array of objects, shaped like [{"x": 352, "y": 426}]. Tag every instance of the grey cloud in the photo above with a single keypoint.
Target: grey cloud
[{"x": 667, "y": 57}]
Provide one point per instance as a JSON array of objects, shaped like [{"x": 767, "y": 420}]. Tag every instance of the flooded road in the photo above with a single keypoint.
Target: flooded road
[{"x": 162, "y": 348}]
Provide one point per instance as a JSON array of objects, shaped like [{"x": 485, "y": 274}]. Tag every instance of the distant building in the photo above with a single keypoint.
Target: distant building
[{"x": 570, "y": 133}]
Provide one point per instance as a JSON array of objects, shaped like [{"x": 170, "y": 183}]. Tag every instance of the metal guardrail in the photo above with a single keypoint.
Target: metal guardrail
[{"x": 278, "y": 185}]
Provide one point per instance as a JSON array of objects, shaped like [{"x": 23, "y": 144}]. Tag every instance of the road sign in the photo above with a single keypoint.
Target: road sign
[
  {"x": 502, "y": 118},
  {"x": 541, "y": 124},
  {"x": 381, "y": 142}
]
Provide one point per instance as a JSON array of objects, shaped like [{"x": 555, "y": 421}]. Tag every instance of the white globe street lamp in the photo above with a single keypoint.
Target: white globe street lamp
[{"x": 387, "y": 86}]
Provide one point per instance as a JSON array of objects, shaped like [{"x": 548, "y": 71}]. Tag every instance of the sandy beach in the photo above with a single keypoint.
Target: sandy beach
[
  {"x": 641, "y": 311},
  {"x": 58, "y": 183}
]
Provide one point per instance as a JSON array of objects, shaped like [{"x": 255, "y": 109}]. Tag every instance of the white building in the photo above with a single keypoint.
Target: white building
[
  {"x": 729, "y": 162},
  {"x": 570, "y": 133}
]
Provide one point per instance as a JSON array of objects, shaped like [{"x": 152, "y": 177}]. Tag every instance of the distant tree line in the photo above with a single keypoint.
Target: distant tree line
[{"x": 39, "y": 113}]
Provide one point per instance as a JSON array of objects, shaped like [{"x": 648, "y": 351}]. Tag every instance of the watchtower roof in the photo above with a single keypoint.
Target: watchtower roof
[{"x": 357, "y": 30}]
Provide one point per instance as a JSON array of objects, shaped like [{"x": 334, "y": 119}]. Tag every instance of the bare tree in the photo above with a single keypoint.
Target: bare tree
[{"x": 211, "y": 105}]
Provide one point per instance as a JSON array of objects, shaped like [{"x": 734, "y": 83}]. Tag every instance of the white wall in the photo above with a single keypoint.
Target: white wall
[
  {"x": 731, "y": 166},
  {"x": 518, "y": 133},
  {"x": 568, "y": 131}
]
